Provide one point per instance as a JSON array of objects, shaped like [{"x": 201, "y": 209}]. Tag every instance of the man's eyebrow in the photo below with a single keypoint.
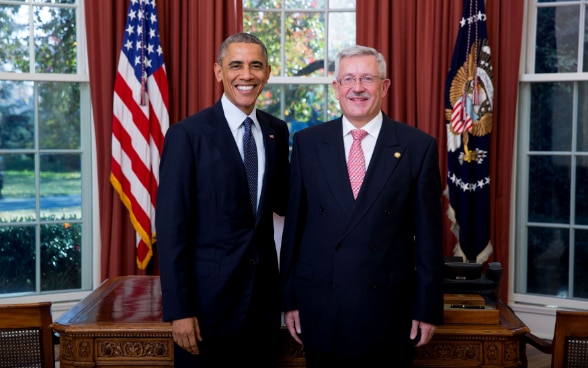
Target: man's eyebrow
[{"x": 235, "y": 62}]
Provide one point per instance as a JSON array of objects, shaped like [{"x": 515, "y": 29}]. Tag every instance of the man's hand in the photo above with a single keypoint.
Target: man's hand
[
  {"x": 293, "y": 322},
  {"x": 186, "y": 333},
  {"x": 427, "y": 332}
]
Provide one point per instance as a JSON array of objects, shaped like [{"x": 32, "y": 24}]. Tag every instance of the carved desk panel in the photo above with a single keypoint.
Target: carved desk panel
[{"x": 475, "y": 345}]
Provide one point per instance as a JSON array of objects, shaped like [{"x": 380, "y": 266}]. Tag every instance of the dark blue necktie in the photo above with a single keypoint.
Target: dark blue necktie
[{"x": 250, "y": 160}]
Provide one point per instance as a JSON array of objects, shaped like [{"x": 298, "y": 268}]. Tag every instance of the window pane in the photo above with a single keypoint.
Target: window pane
[
  {"x": 17, "y": 129},
  {"x": 61, "y": 256},
  {"x": 581, "y": 264},
  {"x": 582, "y": 191},
  {"x": 17, "y": 259},
  {"x": 55, "y": 40},
  {"x": 549, "y": 189},
  {"x": 342, "y": 4},
  {"x": 14, "y": 53},
  {"x": 585, "y": 58},
  {"x": 305, "y": 4},
  {"x": 59, "y": 115},
  {"x": 270, "y": 100},
  {"x": 18, "y": 188},
  {"x": 262, "y": 4},
  {"x": 340, "y": 37},
  {"x": 305, "y": 44},
  {"x": 303, "y": 105},
  {"x": 556, "y": 49},
  {"x": 266, "y": 26},
  {"x": 551, "y": 116},
  {"x": 547, "y": 262},
  {"x": 61, "y": 186},
  {"x": 582, "y": 135}
]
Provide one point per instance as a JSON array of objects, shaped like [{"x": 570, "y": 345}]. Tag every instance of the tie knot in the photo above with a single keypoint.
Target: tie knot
[
  {"x": 358, "y": 134},
  {"x": 247, "y": 123}
]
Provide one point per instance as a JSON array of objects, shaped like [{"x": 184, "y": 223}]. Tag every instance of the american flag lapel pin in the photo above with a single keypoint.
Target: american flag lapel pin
[{"x": 271, "y": 136}]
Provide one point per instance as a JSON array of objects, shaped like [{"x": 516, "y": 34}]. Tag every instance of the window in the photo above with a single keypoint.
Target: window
[
  {"x": 551, "y": 253},
  {"x": 45, "y": 179},
  {"x": 303, "y": 38}
]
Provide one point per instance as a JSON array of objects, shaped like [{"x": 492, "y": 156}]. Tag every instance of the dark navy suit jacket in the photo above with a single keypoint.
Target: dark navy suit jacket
[
  {"x": 208, "y": 241},
  {"x": 360, "y": 271}
]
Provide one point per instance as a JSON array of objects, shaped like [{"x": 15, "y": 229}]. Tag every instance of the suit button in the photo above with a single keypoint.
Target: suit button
[
  {"x": 338, "y": 247},
  {"x": 332, "y": 284},
  {"x": 387, "y": 212},
  {"x": 373, "y": 248},
  {"x": 321, "y": 209},
  {"x": 373, "y": 286}
]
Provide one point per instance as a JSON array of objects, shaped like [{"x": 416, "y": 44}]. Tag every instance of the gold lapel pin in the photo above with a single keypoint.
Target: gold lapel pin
[{"x": 397, "y": 154}]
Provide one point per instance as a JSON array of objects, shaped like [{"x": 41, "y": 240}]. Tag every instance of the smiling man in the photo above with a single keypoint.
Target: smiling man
[
  {"x": 223, "y": 173},
  {"x": 362, "y": 253}
]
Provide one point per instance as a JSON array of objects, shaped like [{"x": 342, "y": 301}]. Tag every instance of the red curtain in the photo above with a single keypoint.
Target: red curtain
[
  {"x": 417, "y": 38},
  {"x": 191, "y": 33}
]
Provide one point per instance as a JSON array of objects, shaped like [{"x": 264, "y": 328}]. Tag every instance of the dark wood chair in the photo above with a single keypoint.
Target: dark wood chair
[
  {"x": 569, "y": 347},
  {"x": 26, "y": 336}
]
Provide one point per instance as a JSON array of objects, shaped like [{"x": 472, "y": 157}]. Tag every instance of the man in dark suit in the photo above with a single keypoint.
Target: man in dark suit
[
  {"x": 362, "y": 278},
  {"x": 215, "y": 241}
]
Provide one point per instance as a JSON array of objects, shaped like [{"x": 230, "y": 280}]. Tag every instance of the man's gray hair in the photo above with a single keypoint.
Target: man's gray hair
[{"x": 359, "y": 50}]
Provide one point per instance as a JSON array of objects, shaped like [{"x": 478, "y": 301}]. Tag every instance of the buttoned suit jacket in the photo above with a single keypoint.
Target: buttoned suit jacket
[
  {"x": 208, "y": 241},
  {"x": 359, "y": 271}
]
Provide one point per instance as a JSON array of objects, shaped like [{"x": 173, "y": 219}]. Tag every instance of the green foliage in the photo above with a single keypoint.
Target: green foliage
[
  {"x": 17, "y": 259},
  {"x": 14, "y": 53},
  {"x": 60, "y": 262},
  {"x": 297, "y": 47}
]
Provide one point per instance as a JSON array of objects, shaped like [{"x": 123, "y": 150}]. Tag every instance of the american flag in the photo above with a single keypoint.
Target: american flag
[
  {"x": 469, "y": 103},
  {"x": 139, "y": 122}
]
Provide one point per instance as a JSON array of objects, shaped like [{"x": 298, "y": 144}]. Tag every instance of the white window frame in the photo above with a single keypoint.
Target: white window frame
[
  {"x": 90, "y": 254},
  {"x": 518, "y": 251}
]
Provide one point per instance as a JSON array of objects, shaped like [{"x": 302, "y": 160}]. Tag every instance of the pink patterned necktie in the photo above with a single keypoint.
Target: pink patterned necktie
[{"x": 356, "y": 161}]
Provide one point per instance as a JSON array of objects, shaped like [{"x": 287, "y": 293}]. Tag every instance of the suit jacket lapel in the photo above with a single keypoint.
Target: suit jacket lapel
[
  {"x": 222, "y": 137},
  {"x": 331, "y": 154},
  {"x": 269, "y": 143}
]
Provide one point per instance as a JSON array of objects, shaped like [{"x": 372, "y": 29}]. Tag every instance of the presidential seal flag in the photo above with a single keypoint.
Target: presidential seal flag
[
  {"x": 140, "y": 121},
  {"x": 468, "y": 112}
]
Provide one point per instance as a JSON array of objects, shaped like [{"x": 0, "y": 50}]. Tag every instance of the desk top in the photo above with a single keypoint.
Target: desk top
[
  {"x": 120, "y": 303},
  {"x": 509, "y": 325},
  {"x": 134, "y": 302}
]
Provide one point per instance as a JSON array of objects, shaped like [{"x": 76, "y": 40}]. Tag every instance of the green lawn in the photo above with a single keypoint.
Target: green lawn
[{"x": 21, "y": 184}]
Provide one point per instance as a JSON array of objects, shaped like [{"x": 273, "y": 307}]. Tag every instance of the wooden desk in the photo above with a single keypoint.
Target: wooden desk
[
  {"x": 119, "y": 325},
  {"x": 475, "y": 345}
]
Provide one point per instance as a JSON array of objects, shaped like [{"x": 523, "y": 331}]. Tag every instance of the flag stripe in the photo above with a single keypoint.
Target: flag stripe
[{"x": 140, "y": 121}]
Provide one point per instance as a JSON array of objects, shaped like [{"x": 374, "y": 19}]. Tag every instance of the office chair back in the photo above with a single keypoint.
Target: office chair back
[{"x": 26, "y": 338}]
